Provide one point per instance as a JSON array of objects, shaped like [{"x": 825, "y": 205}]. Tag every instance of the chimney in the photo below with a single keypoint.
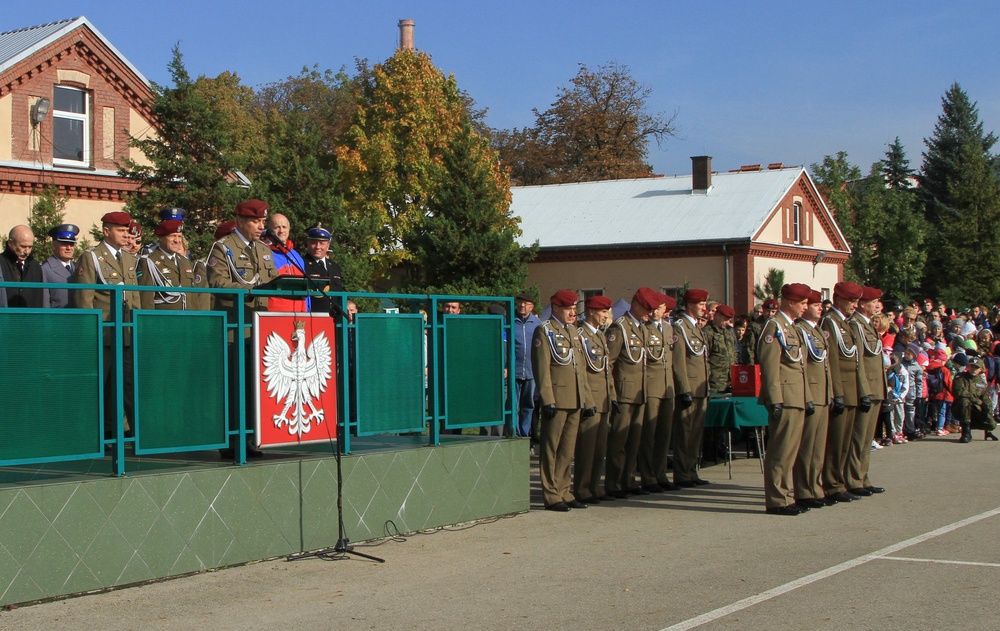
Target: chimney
[
  {"x": 701, "y": 173},
  {"x": 406, "y": 35}
]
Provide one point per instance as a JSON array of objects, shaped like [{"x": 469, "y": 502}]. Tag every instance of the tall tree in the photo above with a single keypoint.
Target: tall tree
[
  {"x": 465, "y": 244},
  {"x": 900, "y": 241},
  {"x": 836, "y": 179},
  {"x": 961, "y": 200}
]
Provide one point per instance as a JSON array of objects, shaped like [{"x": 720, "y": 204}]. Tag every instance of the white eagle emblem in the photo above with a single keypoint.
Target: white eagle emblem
[{"x": 299, "y": 377}]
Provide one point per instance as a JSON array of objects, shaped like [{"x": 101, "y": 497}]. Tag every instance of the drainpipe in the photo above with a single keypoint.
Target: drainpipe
[{"x": 725, "y": 273}]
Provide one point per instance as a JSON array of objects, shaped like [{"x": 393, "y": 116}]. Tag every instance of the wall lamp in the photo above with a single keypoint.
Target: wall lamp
[{"x": 40, "y": 110}]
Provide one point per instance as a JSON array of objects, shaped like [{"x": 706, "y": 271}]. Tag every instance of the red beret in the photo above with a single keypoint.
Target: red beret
[
  {"x": 648, "y": 298},
  {"x": 695, "y": 295},
  {"x": 796, "y": 292},
  {"x": 871, "y": 293},
  {"x": 117, "y": 219},
  {"x": 726, "y": 311},
  {"x": 668, "y": 302},
  {"x": 598, "y": 302},
  {"x": 770, "y": 303},
  {"x": 930, "y": 300},
  {"x": 134, "y": 228},
  {"x": 170, "y": 226},
  {"x": 850, "y": 291},
  {"x": 815, "y": 297},
  {"x": 564, "y": 298},
  {"x": 224, "y": 228},
  {"x": 253, "y": 208}
]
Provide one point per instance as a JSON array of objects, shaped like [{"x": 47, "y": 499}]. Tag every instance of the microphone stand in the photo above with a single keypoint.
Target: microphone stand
[{"x": 343, "y": 546}]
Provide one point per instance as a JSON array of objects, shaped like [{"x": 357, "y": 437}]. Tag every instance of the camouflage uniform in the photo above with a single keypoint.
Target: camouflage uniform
[
  {"x": 721, "y": 356},
  {"x": 754, "y": 327}
]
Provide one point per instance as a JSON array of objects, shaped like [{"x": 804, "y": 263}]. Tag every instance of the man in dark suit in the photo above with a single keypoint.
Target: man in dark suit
[
  {"x": 60, "y": 267},
  {"x": 17, "y": 265}
]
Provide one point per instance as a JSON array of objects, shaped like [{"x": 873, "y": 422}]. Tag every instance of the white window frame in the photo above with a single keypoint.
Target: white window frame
[
  {"x": 84, "y": 118},
  {"x": 797, "y": 223}
]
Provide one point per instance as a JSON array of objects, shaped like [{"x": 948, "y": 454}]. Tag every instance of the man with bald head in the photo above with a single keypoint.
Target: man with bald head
[{"x": 18, "y": 265}]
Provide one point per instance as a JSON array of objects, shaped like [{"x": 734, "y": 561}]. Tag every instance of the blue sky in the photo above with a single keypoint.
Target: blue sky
[{"x": 751, "y": 82}]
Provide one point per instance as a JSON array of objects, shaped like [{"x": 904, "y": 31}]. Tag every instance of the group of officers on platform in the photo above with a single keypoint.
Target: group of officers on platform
[{"x": 617, "y": 401}]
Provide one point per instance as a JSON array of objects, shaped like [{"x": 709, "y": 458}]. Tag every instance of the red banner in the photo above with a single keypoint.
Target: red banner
[{"x": 296, "y": 387}]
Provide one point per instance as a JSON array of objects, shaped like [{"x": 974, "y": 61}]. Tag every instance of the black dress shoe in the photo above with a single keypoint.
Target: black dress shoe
[
  {"x": 576, "y": 504},
  {"x": 669, "y": 486},
  {"x": 652, "y": 488},
  {"x": 701, "y": 482},
  {"x": 685, "y": 484},
  {"x": 809, "y": 502},
  {"x": 828, "y": 501},
  {"x": 591, "y": 500},
  {"x": 860, "y": 492},
  {"x": 607, "y": 498},
  {"x": 559, "y": 507},
  {"x": 844, "y": 496},
  {"x": 618, "y": 494},
  {"x": 638, "y": 491},
  {"x": 227, "y": 454},
  {"x": 791, "y": 510},
  {"x": 875, "y": 489}
]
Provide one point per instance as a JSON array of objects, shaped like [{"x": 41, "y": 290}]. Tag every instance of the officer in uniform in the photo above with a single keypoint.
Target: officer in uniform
[
  {"x": 166, "y": 266},
  {"x": 870, "y": 347},
  {"x": 808, "y": 471},
  {"x": 850, "y": 389},
  {"x": 627, "y": 340},
  {"x": 239, "y": 260},
  {"x": 657, "y": 426},
  {"x": 200, "y": 301},
  {"x": 559, "y": 365},
  {"x": 109, "y": 263},
  {"x": 60, "y": 267},
  {"x": 785, "y": 393},
  {"x": 691, "y": 385},
  {"x": 592, "y": 439},
  {"x": 320, "y": 268},
  {"x": 721, "y": 349}
]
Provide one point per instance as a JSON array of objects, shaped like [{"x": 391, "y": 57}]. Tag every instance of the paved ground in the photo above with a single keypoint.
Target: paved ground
[{"x": 924, "y": 555}]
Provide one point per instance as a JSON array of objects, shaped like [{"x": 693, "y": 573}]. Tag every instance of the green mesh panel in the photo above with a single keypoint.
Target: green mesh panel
[
  {"x": 390, "y": 360},
  {"x": 180, "y": 364},
  {"x": 52, "y": 385},
  {"x": 473, "y": 365}
]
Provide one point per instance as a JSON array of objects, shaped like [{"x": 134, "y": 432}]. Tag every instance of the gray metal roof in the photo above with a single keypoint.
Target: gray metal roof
[
  {"x": 16, "y": 46},
  {"x": 648, "y": 211}
]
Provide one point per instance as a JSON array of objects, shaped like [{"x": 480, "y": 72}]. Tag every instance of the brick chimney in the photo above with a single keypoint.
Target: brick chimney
[
  {"x": 701, "y": 174},
  {"x": 406, "y": 35}
]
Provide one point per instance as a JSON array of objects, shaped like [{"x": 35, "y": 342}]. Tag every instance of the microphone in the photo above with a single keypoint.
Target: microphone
[{"x": 272, "y": 239}]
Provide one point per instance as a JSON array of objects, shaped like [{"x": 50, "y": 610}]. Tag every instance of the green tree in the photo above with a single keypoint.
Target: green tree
[
  {"x": 773, "y": 283},
  {"x": 465, "y": 243},
  {"x": 836, "y": 180},
  {"x": 191, "y": 161},
  {"x": 45, "y": 214},
  {"x": 961, "y": 201}
]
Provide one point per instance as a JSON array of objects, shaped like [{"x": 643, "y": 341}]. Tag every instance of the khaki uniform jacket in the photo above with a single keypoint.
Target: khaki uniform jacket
[
  {"x": 200, "y": 302},
  {"x": 690, "y": 359},
  {"x": 599, "y": 379},
  {"x": 870, "y": 348},
  {"x": 99, "y": 266},
  {"x": 233, "y": 264},
  {"x": 846, "y": 368},
  {"x": 782, "y": 360},
  {"x": 159, "y": 269},
  {"x": 627, "y": 354},
  {"x": 660, "y": 360},
  {"x": 817, "y": 363},
  {"x": 559, "y": 366}
]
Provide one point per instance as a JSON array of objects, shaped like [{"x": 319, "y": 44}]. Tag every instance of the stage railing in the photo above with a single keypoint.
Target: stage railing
[{"x": 403, "y": 370}]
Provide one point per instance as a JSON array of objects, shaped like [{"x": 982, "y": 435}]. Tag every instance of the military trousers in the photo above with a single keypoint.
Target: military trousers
[
  {"x": 624, "y": 436},
  {"x": 654, "y": 452},
  {"x": 110, "y": 392},
  {"x": 591, "y": 447},
  {"x": 838, "y": 445},
  {"x": 689, "y": 427},
  {"x": 808, "y": 471},
  {"x": 860, "y": 455},
  {"x": 784, "y": 437},
  {"x": 558, "y": 444}
]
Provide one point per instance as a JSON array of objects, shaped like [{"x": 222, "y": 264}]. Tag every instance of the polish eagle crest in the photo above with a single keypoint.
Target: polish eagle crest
[{"x": 297, "y": 377}]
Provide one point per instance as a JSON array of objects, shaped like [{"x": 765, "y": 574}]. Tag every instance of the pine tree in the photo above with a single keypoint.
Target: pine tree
[
  {"x": 837, "y": 181},
  {"x": 900, "y": 242}
]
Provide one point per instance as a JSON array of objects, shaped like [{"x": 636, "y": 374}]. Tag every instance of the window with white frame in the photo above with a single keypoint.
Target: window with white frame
[
  {"x": 797, "y": 223},
  {"x": 70, "y": 126}
]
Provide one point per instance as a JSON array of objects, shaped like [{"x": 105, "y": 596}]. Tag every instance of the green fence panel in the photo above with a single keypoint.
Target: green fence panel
[
  {"x": 390, "y": 373},
  {"x": 181, "y": 388},
  {"x": 473, "y": 371},
  {"x": 52, "y": 384}
]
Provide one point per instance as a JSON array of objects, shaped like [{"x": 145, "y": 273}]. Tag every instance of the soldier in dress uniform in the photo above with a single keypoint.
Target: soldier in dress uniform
[
  {"x": 200, "y": 301},
  {"x": 239, "y": 260},
  {"x": 808, "y": 471},
  {"x": 319, "y": 267},
  {"x": 785, "y": 393},
  {"x": 627, "y": 339},
  {"x": 721, "y": 349},
  {"x": 60, "y": 267},
  {"x": 658, "y": 422},
  {"x": 559, "y": 365},
  {"x": 109, "y": 263},
  {"x": 870, "y": 347},
  {"x": 592, "y": 438},
  {"x": 166, "y": 266},
  {"x": 691, "y": 385},
  {"x": 850, "y": 389}
]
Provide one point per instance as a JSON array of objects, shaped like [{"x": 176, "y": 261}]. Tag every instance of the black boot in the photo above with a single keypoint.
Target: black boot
[
  {"x": 966, "y": 433},
  {"x": 990, "y": 436}
]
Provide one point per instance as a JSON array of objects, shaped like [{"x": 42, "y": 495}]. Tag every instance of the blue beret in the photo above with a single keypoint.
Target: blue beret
[
  {"x": 65, "y": 232},
  {"x": 172, "y": 212},
  {"x": 319, "y": 233}
]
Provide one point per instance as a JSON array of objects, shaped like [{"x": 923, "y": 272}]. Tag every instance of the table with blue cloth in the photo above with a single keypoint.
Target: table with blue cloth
[{"x": 737, "y": 413}]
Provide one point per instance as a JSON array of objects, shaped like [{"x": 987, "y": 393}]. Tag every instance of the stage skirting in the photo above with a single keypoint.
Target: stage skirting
[{"x": 66, "y": 531}]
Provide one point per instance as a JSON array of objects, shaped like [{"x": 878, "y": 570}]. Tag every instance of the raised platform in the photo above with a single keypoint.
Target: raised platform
[{"x": 67, "y": 528}]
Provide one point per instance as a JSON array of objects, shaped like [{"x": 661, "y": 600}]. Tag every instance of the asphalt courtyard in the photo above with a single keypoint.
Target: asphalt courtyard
[{"x": 923, "y": 555}]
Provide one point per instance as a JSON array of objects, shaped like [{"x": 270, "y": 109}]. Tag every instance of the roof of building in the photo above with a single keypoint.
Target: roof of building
[
  {"x": 650, "y": 211},
  {"x": 16, "y": 46}
]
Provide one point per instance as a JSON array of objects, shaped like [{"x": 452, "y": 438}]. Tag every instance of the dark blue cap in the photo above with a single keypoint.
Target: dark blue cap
[
  {"x": 65, "y": 232},
  {"x": 172, "y": 212},
  {"x": 319, "y": 233}
]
